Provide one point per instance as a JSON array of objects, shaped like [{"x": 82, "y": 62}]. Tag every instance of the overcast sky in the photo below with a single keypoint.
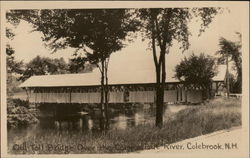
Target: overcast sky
[{"x": 135, "y": 56}]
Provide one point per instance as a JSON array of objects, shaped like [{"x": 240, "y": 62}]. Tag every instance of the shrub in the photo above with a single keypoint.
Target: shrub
[
  {"x": 19, "y": 102},
  {"x": 18, "y": 114}
]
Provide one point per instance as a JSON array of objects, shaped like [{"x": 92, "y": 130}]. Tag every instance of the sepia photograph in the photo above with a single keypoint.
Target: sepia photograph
[{"x": 124, "y": 79}]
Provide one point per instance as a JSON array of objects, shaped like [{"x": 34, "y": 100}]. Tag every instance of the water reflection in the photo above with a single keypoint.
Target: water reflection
[{"x": 118, "y": 119}]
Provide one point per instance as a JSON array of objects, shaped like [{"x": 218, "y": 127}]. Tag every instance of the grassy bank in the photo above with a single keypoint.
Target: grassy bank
[{"x": 194, "y": 121}]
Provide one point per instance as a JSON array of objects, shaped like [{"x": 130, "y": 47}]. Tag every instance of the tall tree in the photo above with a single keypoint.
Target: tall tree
[
  {"x": 197, "y": 71},
  {"x": 97, "y": 32},
  {"x": 231, "y": 52},
  {"x": 163, "y": 26}
]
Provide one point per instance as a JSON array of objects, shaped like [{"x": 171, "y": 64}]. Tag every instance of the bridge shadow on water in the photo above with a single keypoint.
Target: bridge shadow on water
[{"x": 88, "y": 117}]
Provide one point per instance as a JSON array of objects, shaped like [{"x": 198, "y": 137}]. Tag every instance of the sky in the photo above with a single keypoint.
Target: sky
[{"x": 136, "y": 56}]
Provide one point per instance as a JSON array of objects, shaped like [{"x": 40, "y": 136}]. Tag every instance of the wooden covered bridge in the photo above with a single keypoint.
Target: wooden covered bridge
[{"x": 123, "y": 88}]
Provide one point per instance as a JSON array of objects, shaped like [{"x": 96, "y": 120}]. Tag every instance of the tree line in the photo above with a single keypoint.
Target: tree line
[{"x": 47, "y": 66}]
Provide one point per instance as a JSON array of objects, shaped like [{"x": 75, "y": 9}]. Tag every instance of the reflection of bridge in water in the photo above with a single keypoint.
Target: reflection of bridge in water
[{"x": 119, "y": 117}]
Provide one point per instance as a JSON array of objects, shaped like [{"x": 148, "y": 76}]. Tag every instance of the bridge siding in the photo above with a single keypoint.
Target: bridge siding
[{"x": 173, "y": 96}]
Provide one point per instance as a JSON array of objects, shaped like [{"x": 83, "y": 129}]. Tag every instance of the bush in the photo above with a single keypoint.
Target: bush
[
  {"x": 18, "y": 114},
  {"x": 19, "y": 102}
]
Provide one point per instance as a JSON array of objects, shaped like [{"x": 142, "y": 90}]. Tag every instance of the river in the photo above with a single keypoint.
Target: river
[{"x": 122, "y": 118}]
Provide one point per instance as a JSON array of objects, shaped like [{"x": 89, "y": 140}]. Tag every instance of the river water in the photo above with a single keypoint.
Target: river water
[{"x": 118, "y": 119}]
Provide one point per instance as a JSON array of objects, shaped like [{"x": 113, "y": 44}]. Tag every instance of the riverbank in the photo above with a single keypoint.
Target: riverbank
[{"x": 218, "y": 114}]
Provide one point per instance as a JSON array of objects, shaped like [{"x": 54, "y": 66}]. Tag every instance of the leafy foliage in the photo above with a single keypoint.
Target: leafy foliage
[
  {"x": 19, "y": 102},
  {"x": 13, "y": 66},
  {"x": 79, "y": 65},
  {"x": 232, "y": 50},
  {"x": 196, "y": 70},
  {"x": 169, "y": 24},
  {"x": 101, "y": 30},
  {"x": 9, "y": 33},
  {"x": 18, "y": 114},
  {"x": 44, "y": 66},
  {"x": 234, "y": 86}
]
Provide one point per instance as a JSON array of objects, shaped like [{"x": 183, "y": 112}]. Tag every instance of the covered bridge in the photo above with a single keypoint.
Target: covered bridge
[{"x": 124, "y": 87}]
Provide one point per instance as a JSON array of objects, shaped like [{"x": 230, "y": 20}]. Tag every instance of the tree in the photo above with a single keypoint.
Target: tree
[
  {"x": 13, "y": 66},
  {"x": 44, "y": 66},
  {"x": 97, "y": 32},
  {"x": 197, "y": 71},
  {"x": 231, "y": 51},
  {"x": 162, "y": 26},
  {"x": 233, "y": 84},
  {"x": 79, "y": 65}
]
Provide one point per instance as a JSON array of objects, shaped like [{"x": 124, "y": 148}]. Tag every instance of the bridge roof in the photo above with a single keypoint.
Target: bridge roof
[{"x": 93, "y": 79}]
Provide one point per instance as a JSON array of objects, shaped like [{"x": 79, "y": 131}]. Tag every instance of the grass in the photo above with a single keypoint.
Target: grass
[{"x": 216, "y": 115}]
